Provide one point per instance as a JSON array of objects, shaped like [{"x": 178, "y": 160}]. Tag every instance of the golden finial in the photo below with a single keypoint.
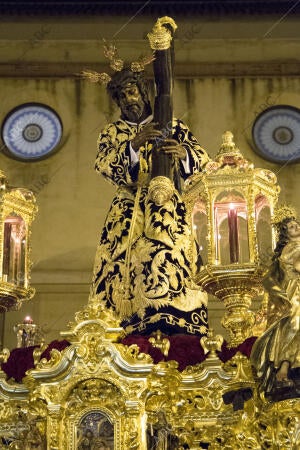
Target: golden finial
[
  {"x": 158, "y": 341},
  {"x": 283, "y": 212},
  {"x": 211, "y": 343},
  {"x": 227, "y": 138},
  {"x": 161, "y": 35},
  {"x": 4, "y": 355},
  {"x": 228, "y": 145},
  {"x": 229, "y": 153},
  {"x": 3, "y": 181}
]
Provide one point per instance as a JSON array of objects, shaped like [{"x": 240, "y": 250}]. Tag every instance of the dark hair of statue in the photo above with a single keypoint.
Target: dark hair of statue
[
  {"x": 283, "y": 239},
  {"x": 122, "y": 79}
]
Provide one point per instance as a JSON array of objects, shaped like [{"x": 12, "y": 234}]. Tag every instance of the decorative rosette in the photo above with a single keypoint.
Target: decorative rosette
[
  {"x": 276, "y": 134},
  {"x": 31, "y": 132}
]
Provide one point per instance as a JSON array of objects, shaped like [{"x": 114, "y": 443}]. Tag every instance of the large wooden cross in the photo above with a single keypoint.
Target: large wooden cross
[{"x": 161, "y": 41}]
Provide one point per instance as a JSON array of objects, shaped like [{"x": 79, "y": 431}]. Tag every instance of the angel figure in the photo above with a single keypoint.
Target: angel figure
[{"x": 275, "y": 355}]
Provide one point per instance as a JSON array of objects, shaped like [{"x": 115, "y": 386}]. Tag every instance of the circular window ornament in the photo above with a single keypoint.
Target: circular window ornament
[
  {"x": 31, "y": 132},
  {"x": 276, "y": 134}
]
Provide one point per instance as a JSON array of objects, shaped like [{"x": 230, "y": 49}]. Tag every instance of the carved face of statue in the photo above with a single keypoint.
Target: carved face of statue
[
  {"x": 131, "y": 103},
  {"x": 293, "y": 230}
]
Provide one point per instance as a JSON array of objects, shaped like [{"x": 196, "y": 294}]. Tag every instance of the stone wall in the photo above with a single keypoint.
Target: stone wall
[{"x": 226, "y": 73}]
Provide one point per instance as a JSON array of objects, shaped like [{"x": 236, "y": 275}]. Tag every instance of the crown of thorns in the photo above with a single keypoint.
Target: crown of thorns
[
  {"x": 283, "y": 212},
  {"x": 116, "y": 63}
]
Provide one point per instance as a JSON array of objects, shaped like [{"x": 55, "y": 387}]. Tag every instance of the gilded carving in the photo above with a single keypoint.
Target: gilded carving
[
  {"x": 131, "y": 436},
  {"x": 101, "y": 393},
  {"x": 53, "y": 429},
  {"x": 132, "y": 354}
]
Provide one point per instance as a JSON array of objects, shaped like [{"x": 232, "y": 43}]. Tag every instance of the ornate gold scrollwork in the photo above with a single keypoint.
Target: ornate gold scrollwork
[{"x": 161, "y": 189}]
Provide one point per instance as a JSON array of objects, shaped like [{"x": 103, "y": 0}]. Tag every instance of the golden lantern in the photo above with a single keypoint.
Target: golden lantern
[
  {"x": 18, "y": 209},
  {"x": 231, "y": 204}
]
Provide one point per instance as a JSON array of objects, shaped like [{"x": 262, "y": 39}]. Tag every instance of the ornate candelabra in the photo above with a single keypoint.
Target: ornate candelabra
[
  {"x": 231, "y": 204},
  {"x": 28, "y": 333},
  {"x": 17, "y": 211}
]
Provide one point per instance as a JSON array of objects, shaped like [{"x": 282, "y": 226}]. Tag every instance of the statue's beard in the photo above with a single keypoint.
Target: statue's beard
[
  {"x": 137, "y": 112},
  {"x": 133, "y": 112}
]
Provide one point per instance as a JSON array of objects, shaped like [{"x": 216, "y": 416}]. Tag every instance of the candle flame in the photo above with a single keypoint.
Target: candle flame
[{"x": 28, "y": 319}]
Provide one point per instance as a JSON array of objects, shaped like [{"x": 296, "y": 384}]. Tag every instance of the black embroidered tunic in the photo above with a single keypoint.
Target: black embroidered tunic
[{"x": 146, "y": 256}]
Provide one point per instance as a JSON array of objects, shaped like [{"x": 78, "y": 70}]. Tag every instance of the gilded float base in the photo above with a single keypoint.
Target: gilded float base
[{"x": 99, "y": 392}]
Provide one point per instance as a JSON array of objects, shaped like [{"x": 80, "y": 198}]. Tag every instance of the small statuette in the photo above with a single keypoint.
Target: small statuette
[
  {"x": 229, "y": 153},
  {"x": 227, "y": 142}
]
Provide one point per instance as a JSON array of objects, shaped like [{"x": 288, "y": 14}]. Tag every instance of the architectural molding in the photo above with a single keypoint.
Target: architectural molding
[{"x": 183, "y": 70}]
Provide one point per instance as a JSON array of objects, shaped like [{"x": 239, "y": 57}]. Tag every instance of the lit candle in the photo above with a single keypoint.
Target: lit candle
[
  {"x": 217, "y": 236},
  {"x": 28, "y": 320},
  {"x": 233, "y": 234}
]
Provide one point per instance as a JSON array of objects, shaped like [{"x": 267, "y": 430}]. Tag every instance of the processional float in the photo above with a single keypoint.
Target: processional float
[{"x": 100, "y": 393}]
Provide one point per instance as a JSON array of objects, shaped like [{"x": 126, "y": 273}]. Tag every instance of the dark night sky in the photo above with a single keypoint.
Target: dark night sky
[{"x": 201, "y": 7}]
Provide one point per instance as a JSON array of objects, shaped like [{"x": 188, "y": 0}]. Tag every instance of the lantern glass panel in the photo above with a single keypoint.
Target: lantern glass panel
[
  {"x": 199, "y": 220},
  {"x": 231, "y": 228},
  {"x": 13, "y": 267},
  {"x": 263, "y": 228}
]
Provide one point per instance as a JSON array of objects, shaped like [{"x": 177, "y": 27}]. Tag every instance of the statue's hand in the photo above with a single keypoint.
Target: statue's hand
[
  {"x": 173, "y": 148},
  {"x": 148, "y": 133}
]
